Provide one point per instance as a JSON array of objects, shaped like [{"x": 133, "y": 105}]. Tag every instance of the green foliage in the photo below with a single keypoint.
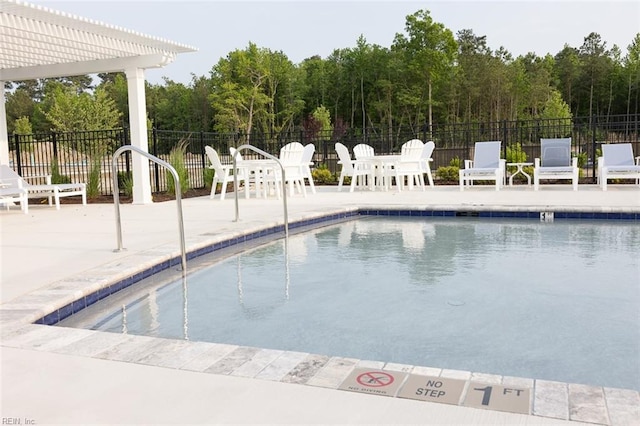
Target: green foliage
[
  {"x": 455, "y": 162},
  {"x": 56, "y": 177},
  {"x": 448, "y": 173},
  {"x": 582, "y": 159},
  {"x": 207, "y": 175},
  {"x": 23, "y": 126},
  {"x": 125, "y": 183},
  {"x": 177, "y": 161},
  {"x": 515, "y": 154},
  {"x": 322, "y": 175},
  {"x": 93, "y": 179},
  {"x": 322, "y": 115},
  {"x": 68, "y": 111}
]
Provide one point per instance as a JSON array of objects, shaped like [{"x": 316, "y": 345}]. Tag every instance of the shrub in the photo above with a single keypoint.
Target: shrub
[
  {"x": 515, "y": 154},
  {"x": 455, "y": 162},
  {"x": 207, "y": 175},
  {"x": 125, "y": 183},
  {"x": 93, "y": 179},
  {"x": 177, "y": 161},
  {"x": 322, "y": 175},
  {"x": 56, "y": 177},
  {"x": 448, "y": 173}
]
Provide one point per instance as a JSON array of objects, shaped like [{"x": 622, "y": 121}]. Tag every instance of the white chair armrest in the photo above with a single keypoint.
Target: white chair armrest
[
  {"x": 536, "y": 162},
  {"x": 47, "y": 178},
  {"x": 574, "y": 162},
  {"x": 468, "y": 164}
]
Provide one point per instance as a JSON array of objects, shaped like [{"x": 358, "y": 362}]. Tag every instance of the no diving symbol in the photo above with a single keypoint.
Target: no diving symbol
[{"x": 375, "y": 379}]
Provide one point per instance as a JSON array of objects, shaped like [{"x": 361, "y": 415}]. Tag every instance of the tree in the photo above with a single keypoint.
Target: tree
[
  {"x": 238, "y": 92},
  {"x": 429, "y": 49},
  {"x": 632, "y": 70},
  {"x": 595, "y": 65},
  {"x": 72, "y": 112}
]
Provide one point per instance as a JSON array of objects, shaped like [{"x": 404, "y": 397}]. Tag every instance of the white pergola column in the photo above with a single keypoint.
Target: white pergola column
[
  {"x": 4, "y": 135},
  {"x": 139, "y": 138}
]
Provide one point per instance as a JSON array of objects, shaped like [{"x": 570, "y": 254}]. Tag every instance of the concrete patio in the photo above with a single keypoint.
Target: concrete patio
[{"x": 54, "y": 375}]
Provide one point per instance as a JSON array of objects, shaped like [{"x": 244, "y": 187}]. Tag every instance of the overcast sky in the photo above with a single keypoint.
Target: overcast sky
[{"x": 303, "y": 28}]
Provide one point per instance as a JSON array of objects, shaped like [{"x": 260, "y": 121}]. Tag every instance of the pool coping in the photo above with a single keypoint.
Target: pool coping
[{"x": 65, "y": 297}]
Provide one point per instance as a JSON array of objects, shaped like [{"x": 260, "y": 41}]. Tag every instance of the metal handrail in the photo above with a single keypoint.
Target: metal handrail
[
  {"x": 284, "y": 186},
  {"x": 116, "y": 196}
]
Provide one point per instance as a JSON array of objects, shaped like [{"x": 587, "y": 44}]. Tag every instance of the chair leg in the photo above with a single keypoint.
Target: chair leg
[{"x": 56, "y": 196}]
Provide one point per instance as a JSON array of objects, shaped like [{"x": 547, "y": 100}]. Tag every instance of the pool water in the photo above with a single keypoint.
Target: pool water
[{"x": 557, "y": 301}]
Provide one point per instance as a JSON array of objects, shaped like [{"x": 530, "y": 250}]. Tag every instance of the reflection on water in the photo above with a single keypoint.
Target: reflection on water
[{"x": 521, "y": 298}]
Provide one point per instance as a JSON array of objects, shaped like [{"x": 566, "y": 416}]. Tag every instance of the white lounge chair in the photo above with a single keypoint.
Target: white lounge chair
[
  {"x": 486, "y": 165},
  {"x": 617, "y": 162},
  {"x": 51, "y": 191},
  {"x": 223, "y": 173},
  {"x": 11, "y": 191},
  {"x": 555, "y": 162},
  {"x": 355, "y": 169}
]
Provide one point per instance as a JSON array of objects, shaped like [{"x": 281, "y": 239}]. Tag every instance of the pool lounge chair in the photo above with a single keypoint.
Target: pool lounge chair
[
  {"x": 555, "y": 162},
  {"x": 11, "y": 192},
  {"x": 51, "y": 191},
  {"x": 617, "y": 162},
  {"x": 486, "y": 165}
]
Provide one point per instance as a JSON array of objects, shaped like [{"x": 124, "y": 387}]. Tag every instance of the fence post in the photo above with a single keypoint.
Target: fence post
[
  {"x": 156, "y": 167},
  {"x": 18, "y": 159},
  {"x": 593, "y": 145}
]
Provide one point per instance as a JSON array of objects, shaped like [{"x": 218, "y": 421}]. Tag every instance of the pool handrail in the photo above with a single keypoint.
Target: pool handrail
[
  {"x": 116, "y": 197},
  {"x": 284, "y": 187}
]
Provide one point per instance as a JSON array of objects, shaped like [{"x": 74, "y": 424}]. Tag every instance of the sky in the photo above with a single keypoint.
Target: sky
[{"x": 304, "y": 28}]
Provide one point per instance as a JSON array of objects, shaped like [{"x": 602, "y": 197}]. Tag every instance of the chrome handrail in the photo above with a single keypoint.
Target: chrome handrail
[
  {"x": 116, "y": 196},
  {"x": 284, "y": 186}
]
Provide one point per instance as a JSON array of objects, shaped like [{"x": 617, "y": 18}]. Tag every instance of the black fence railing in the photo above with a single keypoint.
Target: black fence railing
[{"x": 74, "y": 156}]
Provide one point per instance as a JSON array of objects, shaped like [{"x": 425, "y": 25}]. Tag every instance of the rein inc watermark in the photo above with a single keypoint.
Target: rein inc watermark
[{"x": 17, "y": 421}]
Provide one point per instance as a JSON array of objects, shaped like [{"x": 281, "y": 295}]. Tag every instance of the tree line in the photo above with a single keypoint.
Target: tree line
[{"x": 426, "y": 77}]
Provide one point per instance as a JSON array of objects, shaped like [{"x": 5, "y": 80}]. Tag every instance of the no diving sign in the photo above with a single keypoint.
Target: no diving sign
[{"x": 376, "y": 382}]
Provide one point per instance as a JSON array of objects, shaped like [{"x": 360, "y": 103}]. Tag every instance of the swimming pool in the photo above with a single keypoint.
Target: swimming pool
[{"x": 556, "y": 301}]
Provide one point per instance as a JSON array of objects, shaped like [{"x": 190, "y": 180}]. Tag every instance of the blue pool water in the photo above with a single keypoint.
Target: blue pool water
[{"x": 557, "y": 301}]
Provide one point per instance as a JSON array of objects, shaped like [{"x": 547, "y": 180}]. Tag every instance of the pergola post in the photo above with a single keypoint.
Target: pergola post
[
  {"x": 4, "y": 135},
  {"x": 139, "y": 136}
]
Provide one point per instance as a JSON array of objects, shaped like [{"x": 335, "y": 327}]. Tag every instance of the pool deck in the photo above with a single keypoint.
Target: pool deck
[{"x": 55, "y": 375}]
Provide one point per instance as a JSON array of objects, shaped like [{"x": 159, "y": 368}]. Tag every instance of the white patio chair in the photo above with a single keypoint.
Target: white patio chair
[
  {"x": 427, "y": 152},
  {"x": 555, "y": 162},
  {"x": 486, "y": 165},
  {"x": 223, "y": 173},
  {"x": 410, "y": 165},
  {"x": 362, "y": 150},
  {"x": 307, "y": 162},
  {"x": 617, "y": 162},
  {"x": 355, "y": 169},
  {"x": 291, "y": 158},
  {"x": 51, "y": 191}
]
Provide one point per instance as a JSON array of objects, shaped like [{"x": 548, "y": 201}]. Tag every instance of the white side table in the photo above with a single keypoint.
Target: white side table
[{"x": 520, "y": 167}]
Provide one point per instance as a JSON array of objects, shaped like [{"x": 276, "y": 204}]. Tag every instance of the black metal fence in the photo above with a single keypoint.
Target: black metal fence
[{"x": 74, "y": 156}]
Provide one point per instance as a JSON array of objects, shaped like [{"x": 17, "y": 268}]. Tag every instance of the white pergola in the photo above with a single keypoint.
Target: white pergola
[{"x": 37, "y": 42}]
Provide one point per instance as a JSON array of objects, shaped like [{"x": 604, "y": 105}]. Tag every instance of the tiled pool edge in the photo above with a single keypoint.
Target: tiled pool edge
[
  {"x": 549, "y": 399},
  {"x": 582, "y": 403}
]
